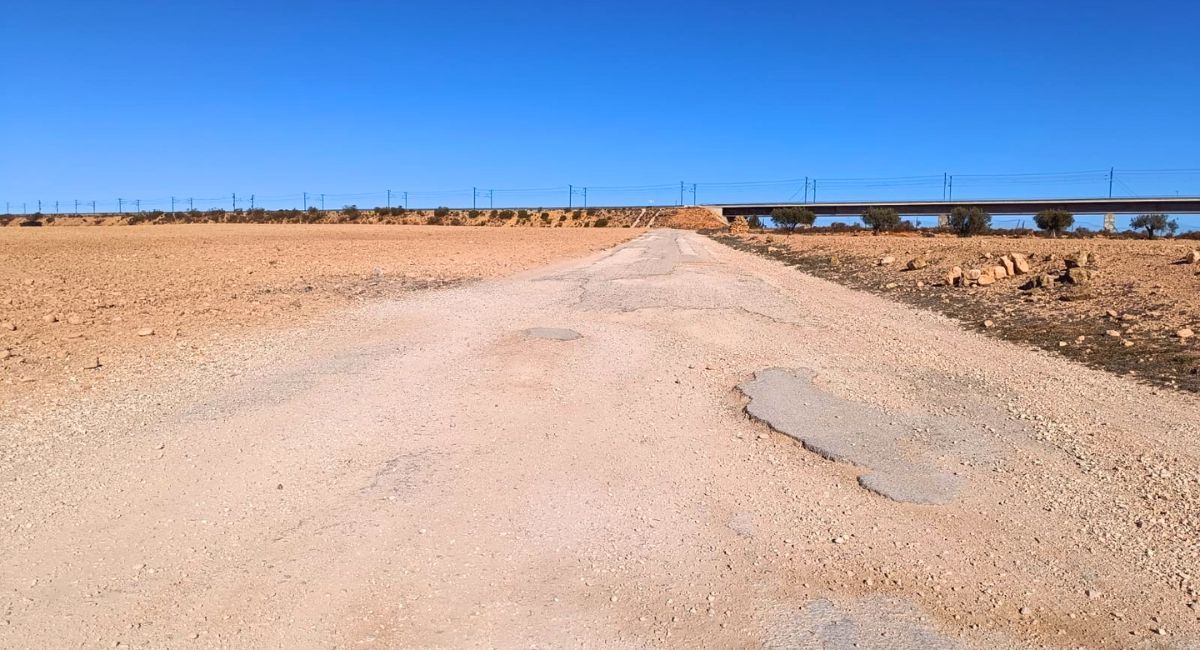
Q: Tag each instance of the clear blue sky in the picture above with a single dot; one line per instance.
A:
(153, 99)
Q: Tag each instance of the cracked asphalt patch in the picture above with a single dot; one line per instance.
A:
(553, 333)
(873, 622)
(842, 431)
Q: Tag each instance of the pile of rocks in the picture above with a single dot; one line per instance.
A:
(739, 226)
(1005, 266)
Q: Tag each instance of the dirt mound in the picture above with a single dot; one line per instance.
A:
(694, 218)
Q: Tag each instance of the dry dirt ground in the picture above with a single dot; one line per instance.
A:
(1126, 320)
(73, 301)
(456, 468)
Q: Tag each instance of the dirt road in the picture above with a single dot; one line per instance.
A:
(455, 468)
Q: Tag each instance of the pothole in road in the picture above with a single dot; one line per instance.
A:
(843, 431)
(553, 333)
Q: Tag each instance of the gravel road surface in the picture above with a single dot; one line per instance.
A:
(456, 468)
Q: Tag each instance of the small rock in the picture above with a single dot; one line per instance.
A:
(1009, 267)
(146, 331)
(999, 272)
(885, 260)
(917, 263)
(49, 318)
(1078, 275)
(1113, 333)
(1111, 313)
(890, 285)
(954, 276)
(1192, 258)
(92, 365)
(1020, 263)
(988, 324)
(8, 326)
(1185, 333)
(1077, 260)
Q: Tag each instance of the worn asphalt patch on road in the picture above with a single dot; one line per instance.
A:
(873, 622)
(553, 333)
(842, 431)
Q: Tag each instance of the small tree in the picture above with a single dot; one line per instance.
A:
(1153, 223)
(351, 211)
(791, 218)
(967, 221)
(754, 222)
(881, 219)
(1054, 221)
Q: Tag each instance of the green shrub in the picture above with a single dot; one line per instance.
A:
(602, 222)
(506, 214)
(1153, 223)
(1054, 221)
(441, 212)
(792, 217)
(881, 219)
(969, 220)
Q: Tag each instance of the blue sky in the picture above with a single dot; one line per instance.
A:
(153, 99)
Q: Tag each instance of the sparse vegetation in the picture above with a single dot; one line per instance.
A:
(1154, 223)
(967, 221)
(351, 212)
(1054, 221)
(754, 222)
(881, 219)
(602, 222)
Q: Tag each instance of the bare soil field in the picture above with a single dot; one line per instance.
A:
(1128, 317)
(77, 302)
(615, 217)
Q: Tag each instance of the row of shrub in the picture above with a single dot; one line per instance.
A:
(964, 221)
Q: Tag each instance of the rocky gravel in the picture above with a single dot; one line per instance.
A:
(1128, 306)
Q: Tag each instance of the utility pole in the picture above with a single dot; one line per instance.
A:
(805, 189)
(120, 205)
(814, 190)
(944, 186)
(322, 203)
(1110, 180)
(570, 196)
(305, 201)
(251, 202)
(389, 201)
(93, 206)
(694, 194)
(191, 205)
(56, 205)
(491, 196)
(681, 194)
(406, 200)
(474, 195)
(585, 197)
(172, 206)
(39, 206)
(950, 188)
(235, 201)
(77, 207)
(138, 204)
